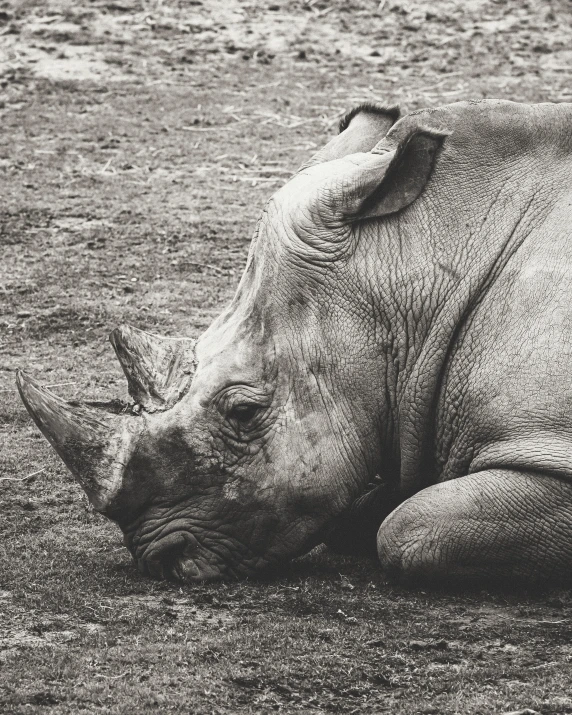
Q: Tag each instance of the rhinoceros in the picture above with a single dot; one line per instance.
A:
(394, 370)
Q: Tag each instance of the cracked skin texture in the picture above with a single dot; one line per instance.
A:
(482, 276)
(501, 447)
(396, 360)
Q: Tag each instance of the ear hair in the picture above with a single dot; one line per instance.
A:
(392, 111)
(372, 121)
(398, 140)
(401, 180)
(407, 173)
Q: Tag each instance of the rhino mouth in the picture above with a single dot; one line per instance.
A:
(183, 556)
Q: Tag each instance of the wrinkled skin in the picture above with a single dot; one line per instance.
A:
(258, 475)
(401, 342)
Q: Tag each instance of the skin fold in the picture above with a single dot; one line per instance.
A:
(394, 367)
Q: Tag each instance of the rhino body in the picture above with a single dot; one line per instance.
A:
(394, 370)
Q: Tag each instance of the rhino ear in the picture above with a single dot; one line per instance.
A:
(387, 179)
(360, 130)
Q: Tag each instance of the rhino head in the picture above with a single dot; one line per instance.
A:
(242, 448)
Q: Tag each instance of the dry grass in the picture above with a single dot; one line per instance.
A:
(133, 165)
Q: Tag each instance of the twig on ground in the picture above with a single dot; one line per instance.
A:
(270, 84)
(442, 81)
(203, 265)
(261, 179)
(111, 677)
(22, 479)
(219, 128)
(544, 665)
(300, 122)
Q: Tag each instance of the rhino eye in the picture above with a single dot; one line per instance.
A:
(243, 413)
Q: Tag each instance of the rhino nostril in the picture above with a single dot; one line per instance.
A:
(161, 558)
(154, 569)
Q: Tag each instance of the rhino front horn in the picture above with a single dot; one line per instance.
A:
(158, 370)
(94, 444)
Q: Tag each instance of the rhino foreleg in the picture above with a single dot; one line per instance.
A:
(495, 525)
(354, 531)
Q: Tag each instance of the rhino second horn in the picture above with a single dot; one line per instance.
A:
(95, 445)
(158, 370)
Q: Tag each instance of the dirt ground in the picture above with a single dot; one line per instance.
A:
(139, 141)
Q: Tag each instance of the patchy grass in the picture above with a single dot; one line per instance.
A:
(140, 140)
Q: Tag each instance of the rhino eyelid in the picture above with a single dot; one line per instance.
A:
(240, 407)
(244, 411)
(232, 400)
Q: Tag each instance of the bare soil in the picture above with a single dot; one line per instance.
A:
(139, 141)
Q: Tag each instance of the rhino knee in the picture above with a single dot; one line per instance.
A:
(408, 545)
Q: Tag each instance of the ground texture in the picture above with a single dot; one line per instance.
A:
(139, 141)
